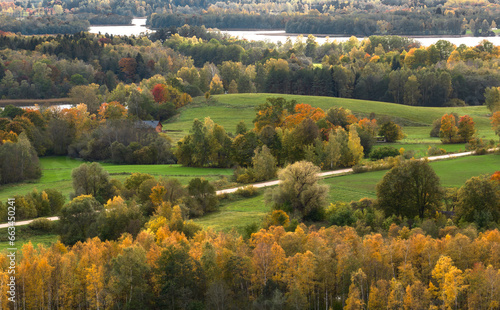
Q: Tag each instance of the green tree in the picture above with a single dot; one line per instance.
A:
(411, 91)
(299, 192)
(129, 278)
(264, 164)
(479, 201)
(202, 198)
(92, 179)
(409, 189)
(492, 98)
(78, 219)
(118, 218)
(18, 161)
(391, 132)
(182, 280)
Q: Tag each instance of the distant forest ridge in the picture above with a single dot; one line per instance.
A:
(351, 17)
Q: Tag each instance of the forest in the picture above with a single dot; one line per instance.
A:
(129, 240)
(352, 17)
(381, 68)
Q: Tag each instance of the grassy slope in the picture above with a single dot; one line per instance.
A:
(56, 173)
(453, 173)
(228, 110)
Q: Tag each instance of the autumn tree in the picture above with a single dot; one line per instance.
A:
(301, 112)
(112, 111)
(450, 282)
(216, 86)
(466, 128)
(495, 122)
(273, 112)
(88, 95)
(299, 192)
(448, 131)
(409, 189)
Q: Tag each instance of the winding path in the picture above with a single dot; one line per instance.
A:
(276, 182)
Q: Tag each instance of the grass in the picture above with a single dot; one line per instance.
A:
(236, 214)
(230, 109)
(24, 235)
(56, 173)
(421, 148)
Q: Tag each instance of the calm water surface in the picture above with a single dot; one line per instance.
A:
(138, 27)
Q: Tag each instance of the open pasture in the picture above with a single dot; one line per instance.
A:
(56, 173)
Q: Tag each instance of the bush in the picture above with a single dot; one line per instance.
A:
(340, 214)
(247, 191)
(381, 164)
(435, 151)
(42, 224)
(476, 144)
(383, 152)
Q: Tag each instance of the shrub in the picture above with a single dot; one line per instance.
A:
(340, 214)
(247, 191)
(384, 152)
(435, 151)
(42, 224)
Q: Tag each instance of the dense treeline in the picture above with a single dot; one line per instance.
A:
(47, 67)
(305, 268)
(244, 21)
(362, 24)
(42, 25)
(383, 68)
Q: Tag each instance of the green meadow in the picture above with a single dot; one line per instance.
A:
(228, 110)
(453, 173)
(56, 173)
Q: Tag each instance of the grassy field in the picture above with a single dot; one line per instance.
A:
(229, 109)
(24, 234)
(421, 148)
(56, 173)
(236, 214)
(453, 173)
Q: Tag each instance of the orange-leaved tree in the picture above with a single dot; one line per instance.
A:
(449, 131)
(495, 122)
(112, 110)
(303, 111)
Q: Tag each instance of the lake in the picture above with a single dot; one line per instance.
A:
(138, 27)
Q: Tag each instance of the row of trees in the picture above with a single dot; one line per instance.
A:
(290, 132)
